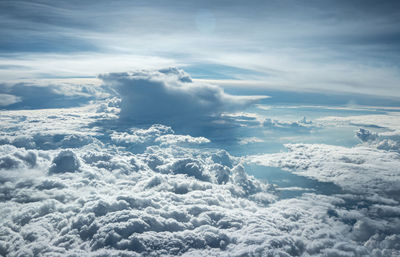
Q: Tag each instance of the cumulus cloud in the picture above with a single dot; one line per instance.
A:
(384, 141)
(65, 161)
(169, 96)
(50, 129)
(156, 134)
(94, 195)
(12, 158)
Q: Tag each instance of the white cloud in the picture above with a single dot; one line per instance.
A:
(250, 140)
(359, 169)
(301, 125)
(156, 134)
(28, 95)
(390, 120)
(169, 199)
(7, 99)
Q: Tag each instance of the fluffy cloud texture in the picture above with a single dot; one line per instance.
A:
(86, 182)
(386, 141)
(169, 96)
(99, 197)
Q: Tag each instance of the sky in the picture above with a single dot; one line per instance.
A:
(200, 128)
(329, 46)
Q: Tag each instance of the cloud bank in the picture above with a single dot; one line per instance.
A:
(99, 198)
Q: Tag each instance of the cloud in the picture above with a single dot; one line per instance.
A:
(389, 120)
(381, 131)
(97, 37)
(7, 99)
(359, 169)
(45, 95)
(65, 161)
(298, 126)
(250, 140)
(156, 134)
(385, 141)
(170, 199)
(13, 158)
(169, 96)
(242, 119)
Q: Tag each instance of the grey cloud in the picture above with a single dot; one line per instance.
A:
(65, 161)
(170, 97)
(384, 141)
(12, 158)
(31, 96)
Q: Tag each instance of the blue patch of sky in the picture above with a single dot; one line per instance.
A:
(284, 97)
(290, 185)
(219, 71)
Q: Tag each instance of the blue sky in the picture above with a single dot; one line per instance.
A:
(319, 46)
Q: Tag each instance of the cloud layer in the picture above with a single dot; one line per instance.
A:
(151, 192)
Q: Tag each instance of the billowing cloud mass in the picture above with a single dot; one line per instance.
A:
(169, 96)
(98, 181)
(150, 192)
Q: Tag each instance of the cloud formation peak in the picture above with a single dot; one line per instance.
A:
(170, 96)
